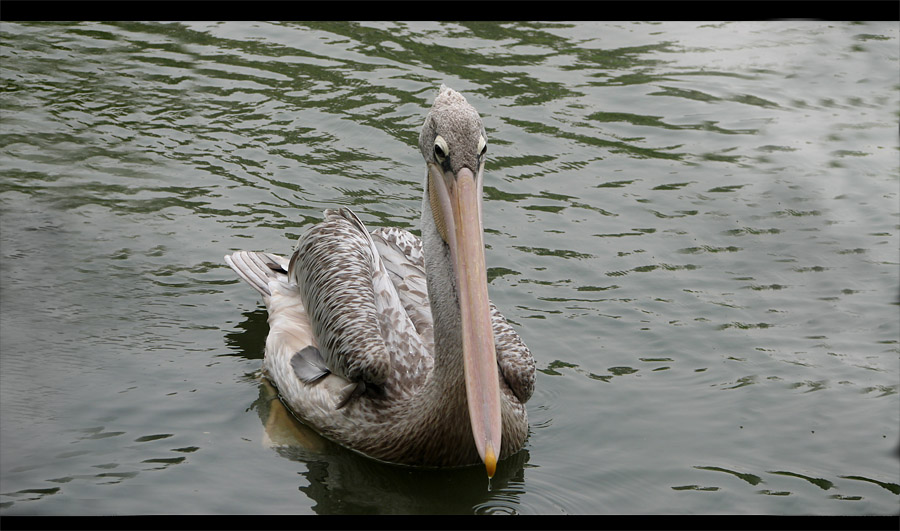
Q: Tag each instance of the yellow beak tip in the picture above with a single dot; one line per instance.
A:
(490, 461)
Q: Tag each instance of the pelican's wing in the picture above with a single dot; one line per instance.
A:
(402, 255)
(363, 331)
(515, 360)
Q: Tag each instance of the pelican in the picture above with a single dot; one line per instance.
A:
(388, 344)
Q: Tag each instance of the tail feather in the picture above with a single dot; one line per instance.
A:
(258, 269)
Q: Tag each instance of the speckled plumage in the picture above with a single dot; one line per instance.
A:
(364, 345)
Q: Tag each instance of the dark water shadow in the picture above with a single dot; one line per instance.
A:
(248, 340)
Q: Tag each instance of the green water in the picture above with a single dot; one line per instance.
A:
(694, 226)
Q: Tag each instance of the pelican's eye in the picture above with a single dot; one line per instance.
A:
(482, 146)
(441, 149)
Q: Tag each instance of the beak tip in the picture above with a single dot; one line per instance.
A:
(490, 460)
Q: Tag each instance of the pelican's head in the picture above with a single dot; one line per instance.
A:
(454, 145)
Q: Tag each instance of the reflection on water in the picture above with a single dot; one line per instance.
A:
(344, 482)
(694, 226)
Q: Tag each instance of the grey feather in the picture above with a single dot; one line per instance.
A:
(309, 366)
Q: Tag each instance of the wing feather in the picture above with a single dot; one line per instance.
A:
(515, 360)
(333, 267)
(363, 329)
(402, 255)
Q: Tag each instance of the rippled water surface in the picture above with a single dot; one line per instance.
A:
(694, 227)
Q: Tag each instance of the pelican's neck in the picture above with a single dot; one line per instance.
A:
(448, 378)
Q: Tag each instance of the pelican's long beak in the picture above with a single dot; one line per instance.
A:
(458, 198)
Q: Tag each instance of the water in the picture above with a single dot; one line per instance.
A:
(694, 226)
